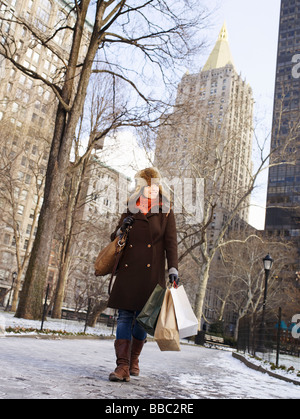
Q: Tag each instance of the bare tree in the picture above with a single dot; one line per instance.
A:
(241, 280)
(158, 31)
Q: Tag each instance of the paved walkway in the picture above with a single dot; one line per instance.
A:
(74, 368)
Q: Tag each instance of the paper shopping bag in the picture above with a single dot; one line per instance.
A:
(149, 314)
(166, 332)
(187, 322)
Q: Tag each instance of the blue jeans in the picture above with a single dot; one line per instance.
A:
(127, 326)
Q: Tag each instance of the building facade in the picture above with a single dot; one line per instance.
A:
(283, 197)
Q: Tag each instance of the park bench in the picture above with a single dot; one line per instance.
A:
(213, 340)
(210, 340)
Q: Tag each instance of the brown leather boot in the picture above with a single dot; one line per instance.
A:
(136, 349)
(121, 373)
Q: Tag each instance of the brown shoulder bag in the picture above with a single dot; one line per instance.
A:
(108, 258)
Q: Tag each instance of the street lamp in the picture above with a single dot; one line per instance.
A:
(14, 277)
(268, 263)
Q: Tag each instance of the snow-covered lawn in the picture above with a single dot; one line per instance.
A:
(289, 366)
(7, 320)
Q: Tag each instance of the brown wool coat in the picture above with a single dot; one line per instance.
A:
(152, 240)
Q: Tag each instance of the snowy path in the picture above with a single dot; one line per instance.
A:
(37, 368)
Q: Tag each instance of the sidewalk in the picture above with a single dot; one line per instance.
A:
(79, 369)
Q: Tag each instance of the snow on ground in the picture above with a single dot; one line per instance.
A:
(222, 374)
(8, 320)
(79, 368)
(284, 360)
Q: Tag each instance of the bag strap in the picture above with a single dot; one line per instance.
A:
(120, 247)
(114, 271)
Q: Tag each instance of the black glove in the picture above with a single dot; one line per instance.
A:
(173, 278)
(127, 222)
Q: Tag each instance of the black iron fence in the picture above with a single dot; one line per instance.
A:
(274, 340)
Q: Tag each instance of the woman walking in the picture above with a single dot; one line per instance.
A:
(152, 239)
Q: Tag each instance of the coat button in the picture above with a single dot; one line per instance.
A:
(126, 266)
(130, 246)
(149, 245)
(148, 266)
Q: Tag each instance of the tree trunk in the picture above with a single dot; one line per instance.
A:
(60, 287)
(200, 296)
(236, 332)
(221, 314)
(16, 291)
(30, 305)
(66, 255)
(97, 310)
(65, 259)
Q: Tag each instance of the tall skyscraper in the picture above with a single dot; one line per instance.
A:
(209, 134)
(283, 198)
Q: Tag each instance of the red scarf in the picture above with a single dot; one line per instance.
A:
(146, 204)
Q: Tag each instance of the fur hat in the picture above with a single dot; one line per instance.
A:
(147, 176)
(144, 178)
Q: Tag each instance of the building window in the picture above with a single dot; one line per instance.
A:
(26, 97)
(15, 107)
(21, 176)
(24, 195)
(7, 239)
(43, 15)
(20, 209)
(34, 117)
(34, 150)
(36, 57)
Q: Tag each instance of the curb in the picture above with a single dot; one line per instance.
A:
(264, 371)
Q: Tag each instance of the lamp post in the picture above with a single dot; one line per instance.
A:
(14, 277)
(268, 262)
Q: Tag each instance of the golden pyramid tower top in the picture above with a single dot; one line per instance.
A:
(221, 54)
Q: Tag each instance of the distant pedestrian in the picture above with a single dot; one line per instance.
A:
(152, 239)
